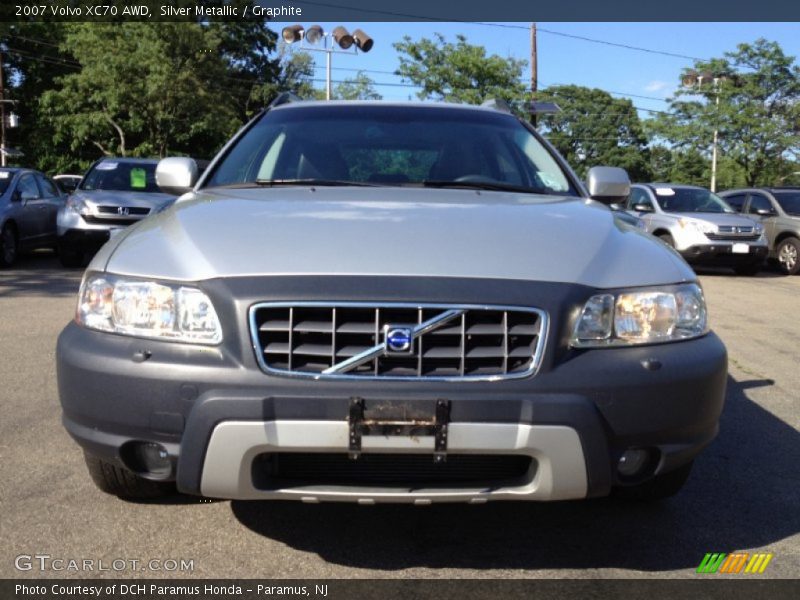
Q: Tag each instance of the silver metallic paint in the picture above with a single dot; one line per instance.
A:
(304, 230)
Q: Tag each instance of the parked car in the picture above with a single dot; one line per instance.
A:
(778, 209)
(67, 183)
(700, 226)
(29, 203)
(115, 193)
(386, 302)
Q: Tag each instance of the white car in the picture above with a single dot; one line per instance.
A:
(700, 225)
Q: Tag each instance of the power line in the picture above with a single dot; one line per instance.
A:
(511, 26)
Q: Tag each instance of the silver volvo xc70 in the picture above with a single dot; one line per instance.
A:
(389, 303)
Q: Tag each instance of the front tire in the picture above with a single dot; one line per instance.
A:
(70, 256)
(788, 253)
(9, 246)
(121, 482)
(667, 239)
(659, 487)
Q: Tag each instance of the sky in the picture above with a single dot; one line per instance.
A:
(564, 60)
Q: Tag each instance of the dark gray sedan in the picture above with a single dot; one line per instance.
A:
(29, 204)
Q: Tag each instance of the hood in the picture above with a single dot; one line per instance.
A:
(118, 198)
(392, 231)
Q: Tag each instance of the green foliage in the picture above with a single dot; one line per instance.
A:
(138, 89)
(757, 113)
(360, 87)
(594, 129)
(459, 72)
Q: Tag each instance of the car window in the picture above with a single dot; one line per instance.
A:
(690, 200)
(736, 201)
(789, 201)
(5, 180)
(391, 145)
(759, 202)
(639, 196)
(27, 187)
(49, 189)
(121, 176)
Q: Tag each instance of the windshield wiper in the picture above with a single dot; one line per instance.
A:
(482, 185)
(312, 182)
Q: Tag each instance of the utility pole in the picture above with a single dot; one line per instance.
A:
(2, 115)
(534, 71)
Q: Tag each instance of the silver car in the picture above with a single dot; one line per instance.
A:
(384, 302)
(778, 210)
(29, 203)
(114, 193)
(701, 226)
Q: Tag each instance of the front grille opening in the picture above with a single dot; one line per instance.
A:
(298, 469)
(479, 343)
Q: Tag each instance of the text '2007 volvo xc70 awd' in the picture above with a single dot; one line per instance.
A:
(389, 303)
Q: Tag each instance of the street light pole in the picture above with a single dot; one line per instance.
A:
(358, 41)
(329, 59)
(716, 138)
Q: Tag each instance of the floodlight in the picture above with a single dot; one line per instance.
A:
(314, 34)
(342, 37)
(292, 34)
(362, 40)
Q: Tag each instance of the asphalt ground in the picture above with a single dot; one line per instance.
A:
(744, 493)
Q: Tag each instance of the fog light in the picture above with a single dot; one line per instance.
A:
(148, 458)
(633, 462)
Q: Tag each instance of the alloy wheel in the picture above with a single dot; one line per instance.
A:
(787, 256)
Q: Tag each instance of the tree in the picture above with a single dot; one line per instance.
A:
(31, 63)
(360, 87)
(594, 128)
(757, 116)
(459, 72)
(143, 90)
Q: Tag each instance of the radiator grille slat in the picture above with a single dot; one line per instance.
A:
(471, 342)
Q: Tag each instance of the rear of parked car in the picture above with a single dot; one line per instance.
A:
(778, 211)
(700, 225)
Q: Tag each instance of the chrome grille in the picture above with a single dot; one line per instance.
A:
(134, 211)
(734, 233)
(349, 340)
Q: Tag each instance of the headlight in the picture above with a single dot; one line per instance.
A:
(643, 316)
(696, 225)
(758, 228)
(147, 309)
(77, 205)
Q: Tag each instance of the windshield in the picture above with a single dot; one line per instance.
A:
(789, 201)
(392, 145)
(5, 180)
(690, 200)
(121, 176)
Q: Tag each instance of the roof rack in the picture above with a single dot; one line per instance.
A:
(285, 98)
(497, 104)
(534, 108)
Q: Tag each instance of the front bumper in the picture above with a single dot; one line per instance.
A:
(77, 232)
(214, 411)
(721, 253)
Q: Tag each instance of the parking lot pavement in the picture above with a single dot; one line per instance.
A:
(743, 495)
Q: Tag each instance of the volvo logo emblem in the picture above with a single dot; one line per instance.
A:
(398, 338)
(123, 210)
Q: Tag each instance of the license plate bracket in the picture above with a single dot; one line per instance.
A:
(383, 422)
(740, 248)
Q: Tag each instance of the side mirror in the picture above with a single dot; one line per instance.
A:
(608, 184)
(16, 196)
(176, 175)
(642, 208)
